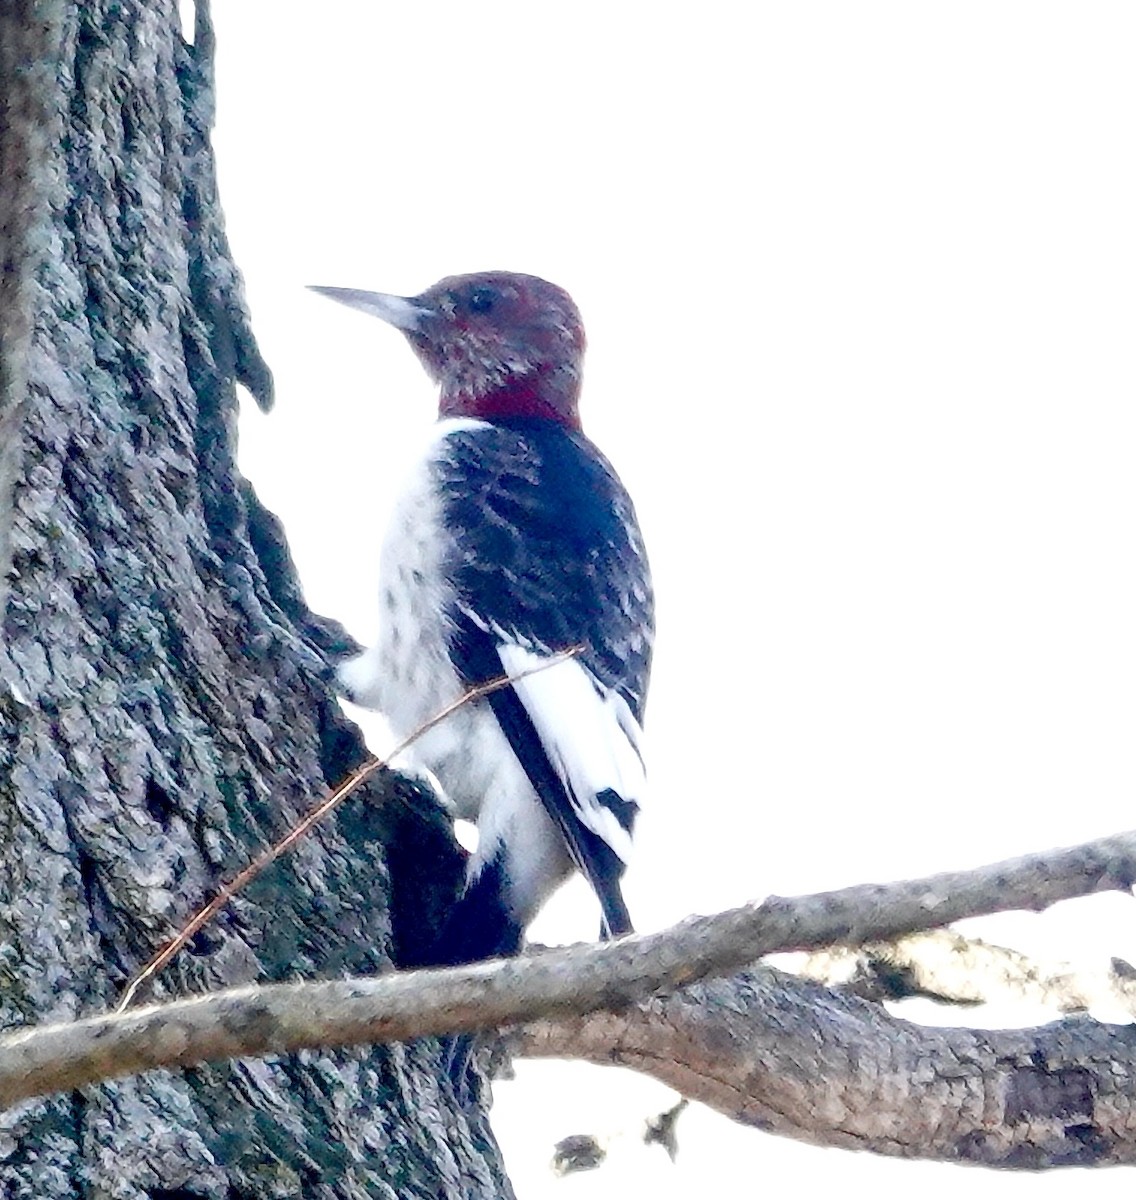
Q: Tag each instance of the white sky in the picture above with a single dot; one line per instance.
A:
(859, 287)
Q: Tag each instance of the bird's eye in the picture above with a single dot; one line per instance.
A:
(482, 299)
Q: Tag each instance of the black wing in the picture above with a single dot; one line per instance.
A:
(548, 556)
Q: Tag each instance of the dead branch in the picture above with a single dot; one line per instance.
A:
(789, 1056)
(948, 968)
(566, 985)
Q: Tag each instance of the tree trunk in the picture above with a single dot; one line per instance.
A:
(162, 709)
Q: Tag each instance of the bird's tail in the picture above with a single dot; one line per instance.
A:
(615, 920)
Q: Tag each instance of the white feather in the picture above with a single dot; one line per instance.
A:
(588, 733)
(407, 675)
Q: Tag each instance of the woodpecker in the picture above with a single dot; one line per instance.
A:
(513, 551)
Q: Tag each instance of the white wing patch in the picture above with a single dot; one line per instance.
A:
(588, 733)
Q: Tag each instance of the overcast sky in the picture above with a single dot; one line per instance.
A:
(858, 285)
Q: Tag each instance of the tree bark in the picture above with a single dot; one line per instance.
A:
(162, 711)
(789, 1056)
(163, 717)
(764, 1048)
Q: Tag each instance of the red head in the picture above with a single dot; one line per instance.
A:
(499, 344)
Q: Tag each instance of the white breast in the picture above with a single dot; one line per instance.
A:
(407, 674)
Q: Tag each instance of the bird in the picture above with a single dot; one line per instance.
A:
(513, 551)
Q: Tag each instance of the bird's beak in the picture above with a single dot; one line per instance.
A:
(395, 310)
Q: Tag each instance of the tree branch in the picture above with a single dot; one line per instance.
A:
(948, 968)
(564, 984)
(791, 1057)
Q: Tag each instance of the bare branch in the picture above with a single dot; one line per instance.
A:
(946, 967)
(560, 984)
(791, 1057)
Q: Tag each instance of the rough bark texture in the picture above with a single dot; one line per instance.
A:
(162, 714)
(764, 1048)
(30, 31)
(163, 717)
(792, 1057)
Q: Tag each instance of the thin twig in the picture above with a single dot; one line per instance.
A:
(331, 801)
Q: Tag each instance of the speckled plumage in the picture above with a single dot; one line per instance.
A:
(514, 541)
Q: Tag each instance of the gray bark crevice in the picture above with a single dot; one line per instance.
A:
(164, 714)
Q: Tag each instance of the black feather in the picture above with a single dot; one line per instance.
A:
(547, 553)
